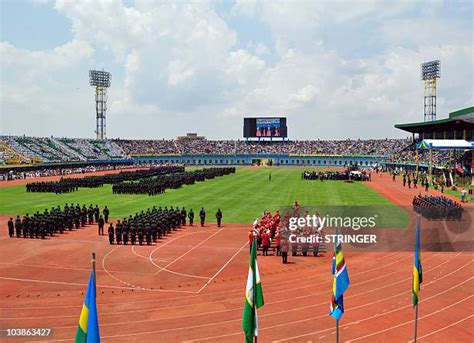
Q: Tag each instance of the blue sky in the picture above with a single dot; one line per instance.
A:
(336, 69)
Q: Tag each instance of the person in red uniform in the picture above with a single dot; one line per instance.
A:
(296, 209)
(251, 236)
(277, 243)
(284, 248)
(266, 242)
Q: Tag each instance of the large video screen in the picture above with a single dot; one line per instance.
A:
(265, 127)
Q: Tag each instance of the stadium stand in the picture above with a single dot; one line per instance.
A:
(30, 150)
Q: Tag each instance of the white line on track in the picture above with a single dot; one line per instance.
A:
(131, 285)
(181, 256)
(145, 257)
(444, 327)
(411, 321)
(223, 267)
(325, 315)
(238, 290)
(293, 289)
(269, 327)
(269, 303)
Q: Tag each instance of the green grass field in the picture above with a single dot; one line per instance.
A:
(242, 197)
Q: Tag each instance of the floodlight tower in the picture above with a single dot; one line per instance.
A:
(430, 71)
(100, 79)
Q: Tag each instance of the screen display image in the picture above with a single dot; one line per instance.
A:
(268, 127)
(265, 127)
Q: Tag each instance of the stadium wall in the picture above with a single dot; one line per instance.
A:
(248, 160)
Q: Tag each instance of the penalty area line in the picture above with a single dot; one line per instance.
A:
(222, 268)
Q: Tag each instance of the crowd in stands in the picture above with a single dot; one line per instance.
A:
(6, 174)
(147, 146)
(24, 149)
(408, 155)
(437, 207)
(380, 147)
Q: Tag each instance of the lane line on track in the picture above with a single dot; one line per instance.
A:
(266, 328)
(326, 315)
(275, 302)
(411, 321)
(183, 306)
(181, 256)
(444, 327)
(222, 268)
(236, 290)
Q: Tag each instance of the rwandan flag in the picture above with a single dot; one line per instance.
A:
(88, 329)
(341, 281)
(417, 273)
(253, 297)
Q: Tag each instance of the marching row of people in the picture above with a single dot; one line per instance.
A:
(55, 221)
(150, 225)
(437, 207)
(157, 185)
(66, 185)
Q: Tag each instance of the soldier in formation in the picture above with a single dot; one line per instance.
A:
(147, 226)
(50, 222)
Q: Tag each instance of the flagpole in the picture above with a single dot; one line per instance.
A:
(337, 331)
(254, 247)
(93, 267)
(416, 322)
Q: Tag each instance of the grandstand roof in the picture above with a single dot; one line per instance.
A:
(445, 144)
(461, 119)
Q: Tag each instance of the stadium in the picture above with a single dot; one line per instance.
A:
(263, 235)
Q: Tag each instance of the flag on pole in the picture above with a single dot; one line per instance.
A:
(253, 296)
(88, 329)
(417, 270)
(341, 281)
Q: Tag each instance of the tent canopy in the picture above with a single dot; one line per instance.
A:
(446, 144)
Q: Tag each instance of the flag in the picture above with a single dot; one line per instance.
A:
(459, 168)
(253, 297)
(417, 272)
(341, 281)
(88, 329)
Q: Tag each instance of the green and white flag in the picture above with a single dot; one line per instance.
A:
(253, 297)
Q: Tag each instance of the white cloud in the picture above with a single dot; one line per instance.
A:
(334, 68)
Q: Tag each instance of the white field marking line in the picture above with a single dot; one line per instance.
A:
(56, 283)
(54, 241)
(275, 302)
(444, 327)
(237, 308)
(234, 290)
(356, 322)
(178, 258)
(111, 275)
(412, 320)
(218, 323)
(183, 306)
(157, 248)
(131, 285)
(145, 257)
(68, 268)
(325, 315)
(222, 268)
